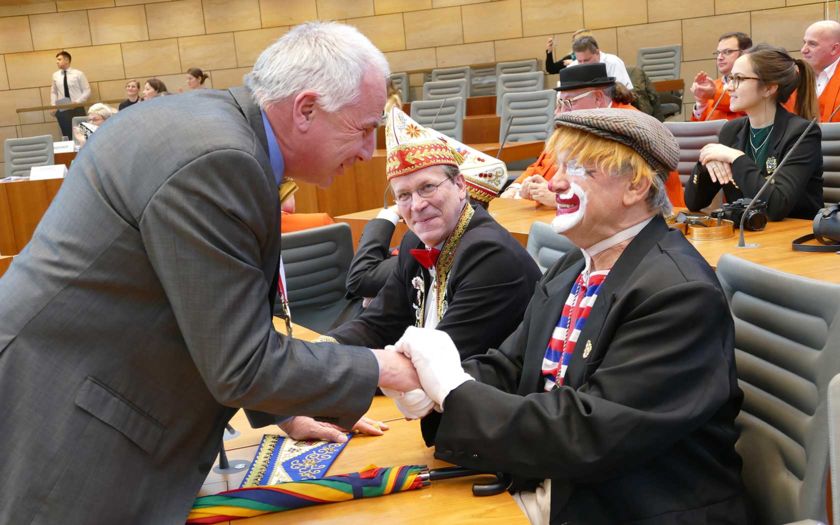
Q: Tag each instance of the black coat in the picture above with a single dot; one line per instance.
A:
(643, 431)
(490, 283)
(797, 189)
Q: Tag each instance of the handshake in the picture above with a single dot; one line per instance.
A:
(422, 357)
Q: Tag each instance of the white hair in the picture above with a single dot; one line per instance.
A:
(102, 110)
(326, 57)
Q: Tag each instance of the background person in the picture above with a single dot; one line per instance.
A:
(97, 115)
(195, 78)
(154, 88)
(711, 97)
(132, 94)
(69, 86)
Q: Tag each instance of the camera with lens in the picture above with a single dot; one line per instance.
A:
(756, 218)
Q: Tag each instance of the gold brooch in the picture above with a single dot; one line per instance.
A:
(771, 165)
(587, 349)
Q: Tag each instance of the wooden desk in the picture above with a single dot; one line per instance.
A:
(22, 204)
(774, 250)
(481, 105)
(481, 129)
(5, 262)
(449, 501)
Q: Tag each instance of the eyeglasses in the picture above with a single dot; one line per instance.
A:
(724, 52)
(425, 191)
(574, 168)
(569, 103)
(735, 80)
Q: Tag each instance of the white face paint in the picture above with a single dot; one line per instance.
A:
(570, 208)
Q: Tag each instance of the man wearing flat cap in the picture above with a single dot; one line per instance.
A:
(613, 401)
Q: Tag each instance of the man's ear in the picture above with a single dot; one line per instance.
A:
(303, 109)
(636, 191)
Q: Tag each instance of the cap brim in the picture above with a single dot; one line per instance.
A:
(598, 82)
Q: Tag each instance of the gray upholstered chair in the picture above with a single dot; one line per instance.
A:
(453, 73)
(834, 443)
(483, 81)
(660, 63)
(692, 136)
(22, 154)
(787, 350)
(527, 116)
(436, 90)
(316, 263)
(518, 66)
(445, 115)
(400, 81)
(831, 161)
(517, 83)
(547, 246)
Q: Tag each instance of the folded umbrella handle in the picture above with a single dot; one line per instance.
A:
(497, 486)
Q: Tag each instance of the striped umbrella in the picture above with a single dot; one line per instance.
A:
(255, 501)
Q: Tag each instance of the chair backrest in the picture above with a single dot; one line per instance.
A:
(400, 81)
(452, 73)
(692, 136)
(316, 263)
(831, 161)
(445, 115)
(483, 81)
(436, 90)
(546, 246)
(78, 120)
(519, 66)
(527, 116)
(660, 63)
(22, 154)
(517, 83)
(787, 350)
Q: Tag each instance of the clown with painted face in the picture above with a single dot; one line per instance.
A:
(613, 401)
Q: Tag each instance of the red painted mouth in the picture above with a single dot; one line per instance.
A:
(569, 205)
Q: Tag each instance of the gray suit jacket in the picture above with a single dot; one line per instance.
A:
(138, 319)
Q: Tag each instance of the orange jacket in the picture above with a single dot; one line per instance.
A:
(722, 111)
(293, 222)
(829, 100)
(546, 166)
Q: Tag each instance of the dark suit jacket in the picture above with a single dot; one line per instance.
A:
(373, 263)
(489, 285)
(643, 430)
(797, 188)
(138, 319)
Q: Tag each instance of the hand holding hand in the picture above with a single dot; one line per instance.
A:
(529, 184)
(436, 359)
(396, 371)
(719, 152)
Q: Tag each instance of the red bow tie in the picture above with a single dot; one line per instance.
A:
(427, 258)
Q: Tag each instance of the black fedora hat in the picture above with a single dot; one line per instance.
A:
(584, 76)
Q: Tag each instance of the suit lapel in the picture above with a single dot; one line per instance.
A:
(547, 305)
(613, 286)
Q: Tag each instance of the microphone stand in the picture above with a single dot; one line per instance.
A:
(225, 466)
(769, 181)
(505, 137)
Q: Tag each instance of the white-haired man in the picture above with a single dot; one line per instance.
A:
(138, 319)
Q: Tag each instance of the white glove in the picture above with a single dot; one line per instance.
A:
(436, 360)
(413, 404)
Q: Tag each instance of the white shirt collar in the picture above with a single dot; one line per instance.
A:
(611, 241)
(829, 71)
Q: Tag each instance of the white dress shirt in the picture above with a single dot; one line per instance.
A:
(615, 68)
(76, 82)
(824, 76)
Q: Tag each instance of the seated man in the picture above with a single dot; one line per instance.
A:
(629, 415)
(585, 86)
(587, 52)
(711, 99)
(821, 49)
(457, 268)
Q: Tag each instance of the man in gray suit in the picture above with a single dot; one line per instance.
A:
(138, 319)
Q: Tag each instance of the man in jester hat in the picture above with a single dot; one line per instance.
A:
(455, 268)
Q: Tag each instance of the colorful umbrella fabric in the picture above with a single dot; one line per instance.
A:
(256, 501)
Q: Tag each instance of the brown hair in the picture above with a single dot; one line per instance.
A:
(64, 54)
(197, 73)
(585, 43)
(157, 85)
(619, 93)
(132, 81)
(744, 40)
(773, 65)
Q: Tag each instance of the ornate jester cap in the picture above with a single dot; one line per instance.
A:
(412, 147)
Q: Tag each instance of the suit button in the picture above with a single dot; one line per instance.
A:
(475, 456)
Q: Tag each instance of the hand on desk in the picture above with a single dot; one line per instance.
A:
(302, 427)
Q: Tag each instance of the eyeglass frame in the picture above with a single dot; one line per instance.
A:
(725, 52)
(735, 82)
(569, 103)
(410, 194)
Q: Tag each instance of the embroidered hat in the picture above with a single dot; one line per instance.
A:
(412, 147)
(584, 76)
(644, 134)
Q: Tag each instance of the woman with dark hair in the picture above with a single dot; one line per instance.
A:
(154, 88)
(195, 78)
(752, 147)
(132, 94)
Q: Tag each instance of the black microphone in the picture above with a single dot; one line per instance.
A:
(769, 181)
(505, 137)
